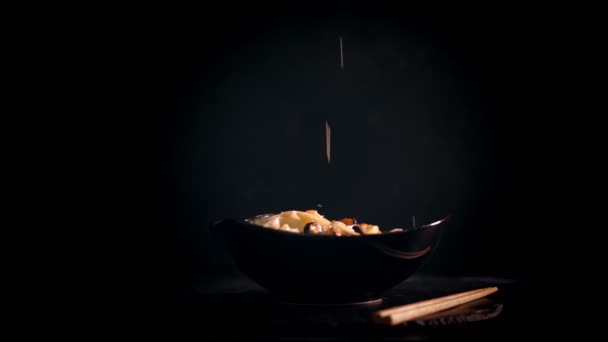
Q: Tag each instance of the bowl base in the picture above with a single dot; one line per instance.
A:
(370, 302)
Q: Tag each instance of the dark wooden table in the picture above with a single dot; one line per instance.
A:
(237, 309)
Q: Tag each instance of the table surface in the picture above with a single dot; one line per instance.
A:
(237, 309)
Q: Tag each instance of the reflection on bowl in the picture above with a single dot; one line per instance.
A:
(327, 269)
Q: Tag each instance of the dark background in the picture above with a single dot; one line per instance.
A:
(432, 115)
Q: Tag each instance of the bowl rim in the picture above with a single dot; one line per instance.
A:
(434, 224)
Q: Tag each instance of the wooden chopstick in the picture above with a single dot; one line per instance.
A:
(404, 313)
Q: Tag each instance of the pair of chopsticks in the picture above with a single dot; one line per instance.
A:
(404, 313)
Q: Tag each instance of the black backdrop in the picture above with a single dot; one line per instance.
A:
(432, 115)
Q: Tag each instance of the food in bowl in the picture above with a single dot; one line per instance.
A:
(311, 222)
(292, 264)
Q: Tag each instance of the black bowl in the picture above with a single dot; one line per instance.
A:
(304, 268)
